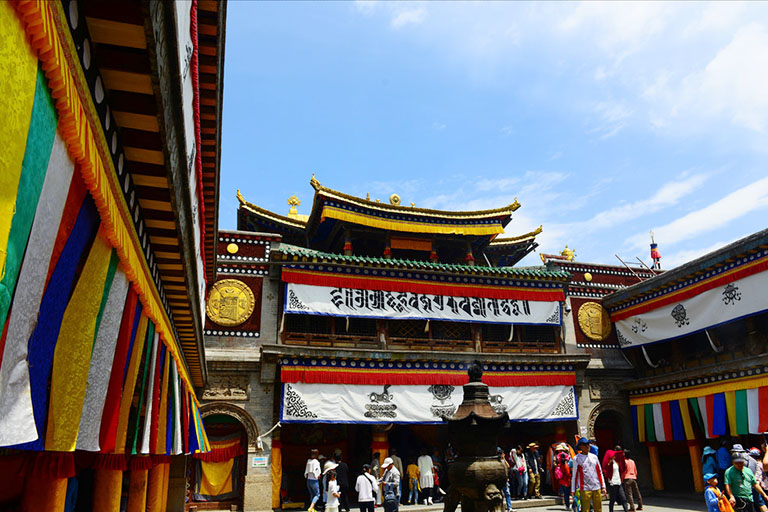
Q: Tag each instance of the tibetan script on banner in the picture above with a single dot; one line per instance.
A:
(349, 302)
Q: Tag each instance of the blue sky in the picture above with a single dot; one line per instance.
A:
(605, 120)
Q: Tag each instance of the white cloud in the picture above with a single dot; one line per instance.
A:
(408, 17)
(677, 258)
(743, 201)
(438, 126)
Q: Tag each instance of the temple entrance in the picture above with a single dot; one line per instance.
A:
(216, 480)
(609, 430)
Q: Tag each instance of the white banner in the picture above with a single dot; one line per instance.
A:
(326, 300)
(345, 403)
(708, 309)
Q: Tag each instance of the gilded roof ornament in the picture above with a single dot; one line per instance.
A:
(315, 184)
(394, 199)
(569, 254)
(293, 201)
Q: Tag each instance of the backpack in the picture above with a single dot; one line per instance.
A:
(558, 473)
(390, 502)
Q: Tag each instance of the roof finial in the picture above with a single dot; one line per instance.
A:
(655, 254)
(316, 184)
(569, 254)
(293, 201)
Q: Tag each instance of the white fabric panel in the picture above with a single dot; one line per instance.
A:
(348, 302)
(713, 307)
(658, 423)
(17, 421)
(177, 444)
(101, 364)
(346, 403)
(150, 397)
(703, 410)
(753, 406)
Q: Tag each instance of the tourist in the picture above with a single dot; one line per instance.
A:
(342, 478)
(764, 482)
(709, 460)
(535, 469)
(500, 455)
(629, 480)
(413, 480)
(333, 493)
(514, 476)
(391, 482)
(366, 489)
(613, 467)
(561, 473)
(756, 465)
(587, 475)
(330, 465)
(522, 470)
(739, 483)
(426, 477)
(397, 461)
(715, 500)
(312, 473)
(723, 462)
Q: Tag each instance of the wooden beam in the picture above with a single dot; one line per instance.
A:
(116, 33)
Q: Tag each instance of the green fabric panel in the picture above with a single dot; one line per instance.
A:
(144, 376)
(42, 131)
(693, 405)
(742, 413)
(650, 432)
(113, 261)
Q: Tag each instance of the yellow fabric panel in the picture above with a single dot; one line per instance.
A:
(730, 406)
(697, 391)
(686, 414)
(130, 385)
(162, 424)
(277, 474)
(107, 488)
(446, 228)
(155, 488)
(72, 356)
(47, 494)
(18, 69)
(217, 478)
(137, 491)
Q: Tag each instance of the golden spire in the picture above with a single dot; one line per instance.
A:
(568, 253)
(293, 201)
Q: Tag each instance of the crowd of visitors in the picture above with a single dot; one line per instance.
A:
(736, 478)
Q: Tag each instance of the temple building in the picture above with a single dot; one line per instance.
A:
(697, 338)
(109, 177)
(352, 327)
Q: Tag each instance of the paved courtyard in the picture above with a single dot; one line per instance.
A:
(652, 504)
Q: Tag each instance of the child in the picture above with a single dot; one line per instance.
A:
(333, 495)
(715, 500)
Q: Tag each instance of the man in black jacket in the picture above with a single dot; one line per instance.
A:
(342, 478)
(535, 469)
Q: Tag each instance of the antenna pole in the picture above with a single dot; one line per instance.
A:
(629, 268)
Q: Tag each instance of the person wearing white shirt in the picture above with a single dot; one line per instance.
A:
(426, 477)
(587, 477)
(312, 473)
(333, 493)
(365, 486)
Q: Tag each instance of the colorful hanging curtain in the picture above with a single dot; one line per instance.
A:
(733, 413)
(217, 473)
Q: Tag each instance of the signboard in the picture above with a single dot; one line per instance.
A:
(349, 302)
(260, 462)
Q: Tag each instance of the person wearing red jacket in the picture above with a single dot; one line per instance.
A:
(613, 467)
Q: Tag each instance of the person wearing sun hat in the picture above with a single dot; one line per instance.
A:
(391, 482)
(715, 500)
(535, 469)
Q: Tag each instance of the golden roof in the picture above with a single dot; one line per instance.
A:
(293, 221)
(375, 205)
(517, 239)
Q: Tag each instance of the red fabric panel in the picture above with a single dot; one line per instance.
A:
(368, 282)
(111, 412)
(666, 417)
(75, 198)
(220, 454)
(693, 290)
(425, 377)
(140, 462)
(113, 461)
(51, 465)
(710, 419)
(2, 341)
(12, 477)
(762, 398)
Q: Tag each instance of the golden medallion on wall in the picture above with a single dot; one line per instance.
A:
(230, 302)
(594, 321)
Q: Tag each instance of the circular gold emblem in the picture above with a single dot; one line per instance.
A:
(233, 248)
(594, 321)
(230, 302)
(587, 276)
